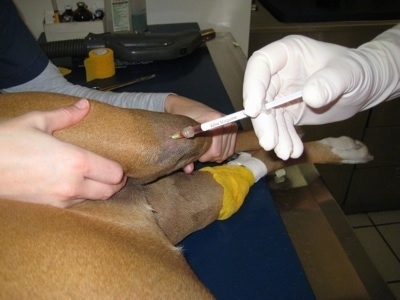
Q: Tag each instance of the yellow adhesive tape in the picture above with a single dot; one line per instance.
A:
(100, 64)
(64, 71)
(236, 182)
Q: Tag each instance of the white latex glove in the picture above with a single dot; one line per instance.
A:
(337, 82)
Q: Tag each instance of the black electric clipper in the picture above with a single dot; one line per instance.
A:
(133, 47)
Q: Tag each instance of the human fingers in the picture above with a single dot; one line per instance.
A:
(261, 66)
(63, 117)
(223, 144)
(284, 145)
(228, 142)
(298, 146)
(87, 189)
(289, 143)
(188, 168)
(342, 73)
(85, 176)
(266, 129)
(94, 178)
(326, 85)
(101, 169)
(97, 190)
(275, 131)
(98, 169)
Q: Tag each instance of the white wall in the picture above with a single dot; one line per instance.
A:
(222, 15)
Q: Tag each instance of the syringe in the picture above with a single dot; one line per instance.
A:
(191, 131)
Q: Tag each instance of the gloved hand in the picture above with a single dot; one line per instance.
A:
(337, 82)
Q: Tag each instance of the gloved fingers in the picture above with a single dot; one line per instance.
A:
(289, 143)
(266, 129)
(276, 131)
(327, 85)
(284, 146)
(274, 89)
(261, 66)
(297, 143)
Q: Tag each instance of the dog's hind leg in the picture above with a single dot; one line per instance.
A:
(184, 203)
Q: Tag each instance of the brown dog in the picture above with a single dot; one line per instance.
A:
(123, 248)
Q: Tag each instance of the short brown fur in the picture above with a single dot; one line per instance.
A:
(122, 248)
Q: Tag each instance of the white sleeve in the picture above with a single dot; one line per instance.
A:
(383, 56)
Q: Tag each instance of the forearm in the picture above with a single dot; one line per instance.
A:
(383, 62)
(51, 80)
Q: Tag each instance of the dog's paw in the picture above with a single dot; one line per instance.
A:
(350, 151)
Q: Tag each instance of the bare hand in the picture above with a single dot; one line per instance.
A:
(223, 139)
(37, 167)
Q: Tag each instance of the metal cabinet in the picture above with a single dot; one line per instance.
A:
(375, 186)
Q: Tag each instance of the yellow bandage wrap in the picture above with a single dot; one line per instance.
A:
(236, 181)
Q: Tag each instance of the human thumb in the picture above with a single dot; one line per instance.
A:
(326, 86)
(66, 116)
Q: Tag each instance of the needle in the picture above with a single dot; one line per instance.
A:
(191, 131)
(120, 85)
